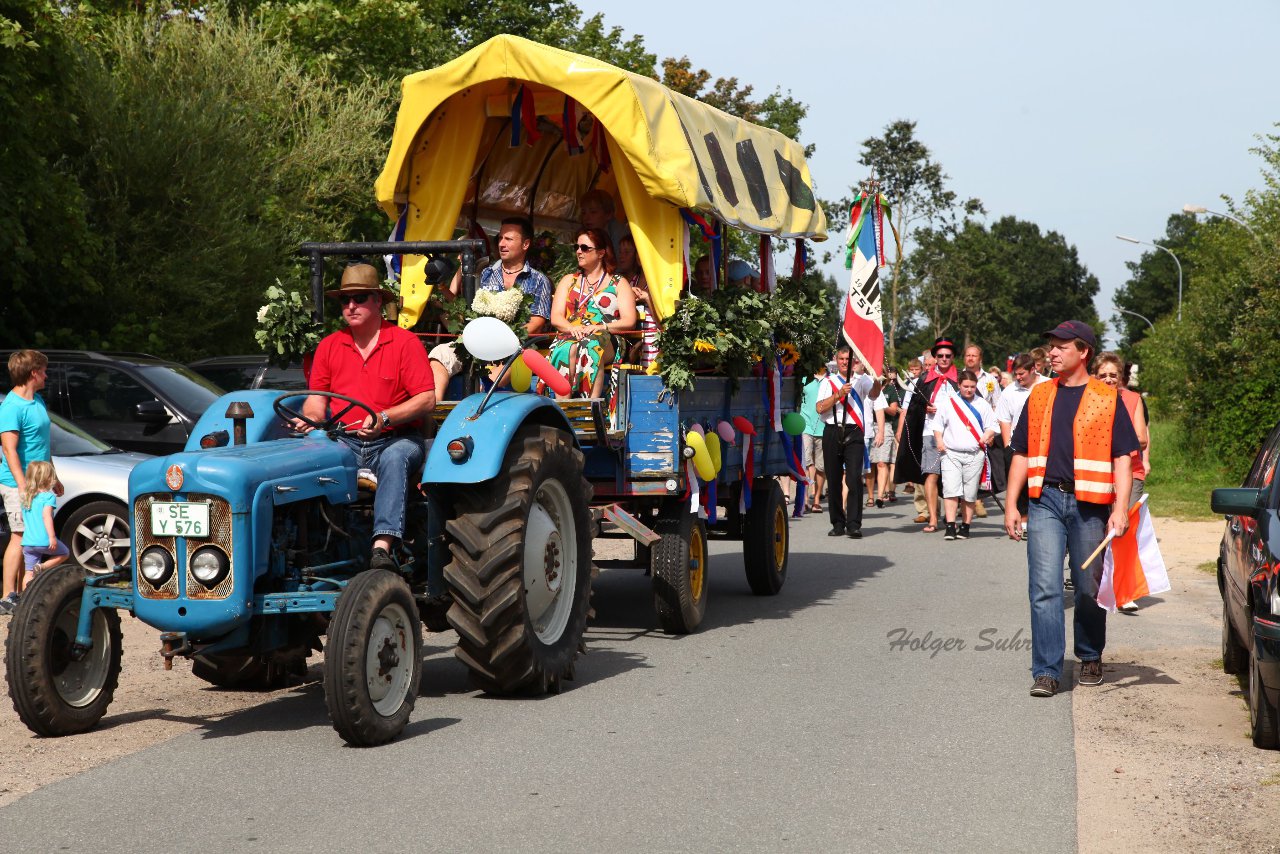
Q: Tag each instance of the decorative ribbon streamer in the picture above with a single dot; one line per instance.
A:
(572, 139)
(768, 273)
(395, 262)
(797, 472)
(600, 145)
(711, 235)
(748, 431)
(880, 228)
(800, 265)
(524, 118)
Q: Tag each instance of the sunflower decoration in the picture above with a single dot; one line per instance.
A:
(788, 353)
(702, 345)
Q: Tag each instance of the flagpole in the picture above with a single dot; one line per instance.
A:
(1111, 536)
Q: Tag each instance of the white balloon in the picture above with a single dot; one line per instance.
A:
(489, 339)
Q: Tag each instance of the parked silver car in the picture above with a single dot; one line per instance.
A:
(93, 513)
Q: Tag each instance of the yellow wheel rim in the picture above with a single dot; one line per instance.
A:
(697, 563)
(779, 537)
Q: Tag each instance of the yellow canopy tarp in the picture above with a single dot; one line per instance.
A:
(451, 156)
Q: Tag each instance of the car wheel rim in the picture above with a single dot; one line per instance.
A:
(101, 542)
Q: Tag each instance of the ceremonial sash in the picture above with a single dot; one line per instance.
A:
(848, 408)
(982, 446)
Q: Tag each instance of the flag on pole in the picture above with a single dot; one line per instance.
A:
(1133, 567)
(572, 137)
(862, 326)
(524, 119)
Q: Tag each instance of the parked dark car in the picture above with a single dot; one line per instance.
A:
(129, 400)
(1248, 564)
(234, 373)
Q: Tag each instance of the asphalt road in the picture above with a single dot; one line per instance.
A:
(788, 723)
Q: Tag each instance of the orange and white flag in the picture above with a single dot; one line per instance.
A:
(1132, 567)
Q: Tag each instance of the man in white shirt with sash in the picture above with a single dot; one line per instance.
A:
(846, 416)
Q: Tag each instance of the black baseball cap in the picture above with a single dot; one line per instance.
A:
(1068, 329)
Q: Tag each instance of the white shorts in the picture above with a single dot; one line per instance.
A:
(961, 471)
(447, 356)
(13, 507)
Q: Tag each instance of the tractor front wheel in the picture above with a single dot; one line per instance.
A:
(57, 688)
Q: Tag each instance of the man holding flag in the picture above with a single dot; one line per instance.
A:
(1071, 451)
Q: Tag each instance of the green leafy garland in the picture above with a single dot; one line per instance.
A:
(735, 328)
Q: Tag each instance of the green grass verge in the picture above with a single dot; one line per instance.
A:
(1183, 474)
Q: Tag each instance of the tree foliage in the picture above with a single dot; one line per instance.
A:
(998, 287)
(1152, 288)
(1216, 368)
(916, 187)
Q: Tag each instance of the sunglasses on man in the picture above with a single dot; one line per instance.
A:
(358, 299)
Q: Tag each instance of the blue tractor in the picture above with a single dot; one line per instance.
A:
(251, 552)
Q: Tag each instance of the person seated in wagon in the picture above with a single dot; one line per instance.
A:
(588, 307)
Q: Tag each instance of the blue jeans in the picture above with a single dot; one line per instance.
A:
(393, 459)
(1058, 526)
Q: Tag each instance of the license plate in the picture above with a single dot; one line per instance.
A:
(179, 519)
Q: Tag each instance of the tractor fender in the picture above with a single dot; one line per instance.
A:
(489, 435)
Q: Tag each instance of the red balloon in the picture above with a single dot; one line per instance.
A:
(542, 370)
(744, 425)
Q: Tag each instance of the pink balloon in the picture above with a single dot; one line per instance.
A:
(725, 431)
(698, 428)
(542, 369)
(743, 425)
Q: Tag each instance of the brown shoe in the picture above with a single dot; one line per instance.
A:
(1044, 686)
(921, 519)
(1091, 673)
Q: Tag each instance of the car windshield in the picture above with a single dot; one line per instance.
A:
(68, 440)
(182, 387)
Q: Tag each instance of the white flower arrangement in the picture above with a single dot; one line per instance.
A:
(504, 305)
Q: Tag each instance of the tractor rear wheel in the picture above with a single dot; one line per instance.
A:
(520, 569)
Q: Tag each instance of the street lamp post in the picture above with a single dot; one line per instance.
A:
(1171, 255)
(1135, 314)
(1201, 209)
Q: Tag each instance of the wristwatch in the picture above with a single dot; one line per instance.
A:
(385, 419)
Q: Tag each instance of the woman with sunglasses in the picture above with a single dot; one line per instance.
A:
(588, 306)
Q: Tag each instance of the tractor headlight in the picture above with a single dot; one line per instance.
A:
(156, 566)
(209, 565)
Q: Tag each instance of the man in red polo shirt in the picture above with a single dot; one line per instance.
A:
(378, 363)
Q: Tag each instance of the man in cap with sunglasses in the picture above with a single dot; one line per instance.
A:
(1071, 450)
(377, 363)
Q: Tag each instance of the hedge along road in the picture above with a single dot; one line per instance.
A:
(878, 703)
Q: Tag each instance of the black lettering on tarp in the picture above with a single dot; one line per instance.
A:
(723, 176)
(749, 163)
(798, 191)
(697, 161)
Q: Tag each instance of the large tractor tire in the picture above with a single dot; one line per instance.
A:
(373, 660)
(679, 565)
(54, 690)
(520, 569)
(765, 539)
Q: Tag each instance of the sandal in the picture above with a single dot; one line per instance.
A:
(816, 508)
(929, 529)
(871, 502)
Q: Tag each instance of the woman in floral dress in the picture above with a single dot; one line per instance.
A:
(588, 305)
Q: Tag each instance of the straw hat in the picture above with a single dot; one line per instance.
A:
(359, 279)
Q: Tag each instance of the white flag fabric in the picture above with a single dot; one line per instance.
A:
(1133, 566)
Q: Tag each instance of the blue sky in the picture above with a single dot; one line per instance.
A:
(1091, 119)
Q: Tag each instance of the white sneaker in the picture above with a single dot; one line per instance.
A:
(1129, 606)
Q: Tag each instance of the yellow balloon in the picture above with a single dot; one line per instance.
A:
(520, 375)
(701, 459)
(713, 448)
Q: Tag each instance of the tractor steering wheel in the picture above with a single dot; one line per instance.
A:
(328, 425)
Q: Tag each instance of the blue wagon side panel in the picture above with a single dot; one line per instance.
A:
(652, 429)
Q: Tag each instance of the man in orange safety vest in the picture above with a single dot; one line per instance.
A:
(1071, 451)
